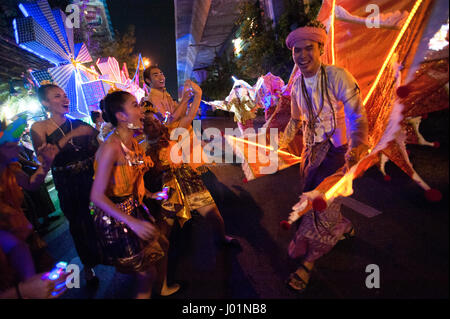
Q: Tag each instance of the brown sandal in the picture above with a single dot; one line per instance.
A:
(297, 283)
(349, 235)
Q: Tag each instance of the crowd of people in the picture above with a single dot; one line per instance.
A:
(122, 194)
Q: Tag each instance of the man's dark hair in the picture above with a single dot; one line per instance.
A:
(95, 115)
(148, 73)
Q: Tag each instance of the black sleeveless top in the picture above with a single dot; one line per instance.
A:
(86, 145)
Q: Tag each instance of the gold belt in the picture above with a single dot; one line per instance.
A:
(75, 166)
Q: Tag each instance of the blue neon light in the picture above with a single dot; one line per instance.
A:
(16, 33)
(24, 11)
(42, 14)
(39, 55)
(59, 20)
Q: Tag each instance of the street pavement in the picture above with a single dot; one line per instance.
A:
(407, 240)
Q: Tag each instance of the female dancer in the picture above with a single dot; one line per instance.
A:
(129, 238)
(72, 170)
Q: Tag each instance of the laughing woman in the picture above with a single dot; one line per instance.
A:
(129, 237)
(72, 170)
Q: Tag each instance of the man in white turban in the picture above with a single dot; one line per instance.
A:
(326, 105)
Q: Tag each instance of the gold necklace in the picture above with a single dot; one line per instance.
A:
(130, 155)
(59, 128)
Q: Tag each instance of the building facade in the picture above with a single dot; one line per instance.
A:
(95, 24)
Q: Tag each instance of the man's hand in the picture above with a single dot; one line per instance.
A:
(354, 155)
(298, 208)
(158, 195)
(187, 90)
(195, 88)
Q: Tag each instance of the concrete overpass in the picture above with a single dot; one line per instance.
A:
(203, 28)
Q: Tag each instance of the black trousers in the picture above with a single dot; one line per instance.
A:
(74, 190)
(325, 161)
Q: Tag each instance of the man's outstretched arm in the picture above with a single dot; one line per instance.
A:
(293, 125)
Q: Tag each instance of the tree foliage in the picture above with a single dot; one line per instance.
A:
(264, 44)
(219, 82)
(121, 47)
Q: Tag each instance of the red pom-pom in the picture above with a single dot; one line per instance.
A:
(424, 116)
(319, 204)
(245, 180)
(436, 144)
(403, 91)
(433, 195)
(387, 178)
(285, 225)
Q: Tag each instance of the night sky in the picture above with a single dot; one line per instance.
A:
(155, 32)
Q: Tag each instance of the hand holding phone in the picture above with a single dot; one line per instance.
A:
(57, 275)
(164, 194)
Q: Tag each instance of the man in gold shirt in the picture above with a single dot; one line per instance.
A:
(161, 99)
